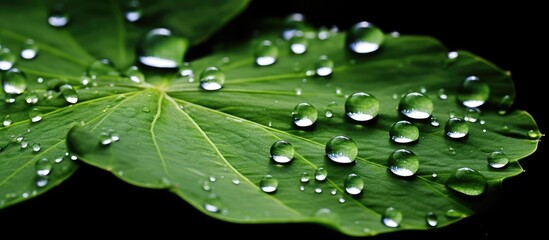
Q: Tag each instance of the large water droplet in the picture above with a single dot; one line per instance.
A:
(456, 128)
(282, 151)
(321, 174)
(15, 81)
(298, 43)
(473, 92)
(415, 105)
(266, 53)
(35, 115)
(161, 49)
(135, 75)
(304, 115)
(68, 92)
(58, 16)
(324, 66)
(403, 162)
(361, 106)
(101, 67)
(133, 11)
(30, 49)
(268, 184)
(497, 159)
(353, 184)
(391, 217)
(403, 132)
(431, 219)
(364, 37)
(467, 181)
(7, 59)
(43, 166)
(341, 149)
(212, 78)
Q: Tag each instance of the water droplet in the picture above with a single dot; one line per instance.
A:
(324, 66)
(471, 114)
(101, 67)
(35, 115)
(442, 94)
(361, 106)
(212, 179)
(58, 16)
(7, 59)
(235, 181)
(135, 75)
(391, 217)
(452, 213)
(108, 136)
(497, 160)
(434, 122)
(534, 134)
(467, 181)
(206, 186)
(298, 91)
(353, 184)
(265, 53)
(31, 97)
(30, 49)
(403, 162)
(302, 188)
(473, 92)
(15, 81)
(329, 113)
(133, 11)
(341, 200)
(160, 49)
(415, 105)
(42, 181)
(321, 174)
(36, 147)
(68, 92)
(268, 184)
(298, 43)
(456, 128)
(403, 132)
(304, 115)
(318, 190)
(282, 151)
(431, 219)
(453, 54)
(341, 149)
(212, 78)
(305, 177)
(364, 37)
(43, 167)
(505, 104)
(24, 144)
(212, 203)
(9, 98)
(7, 121)
(294, 24)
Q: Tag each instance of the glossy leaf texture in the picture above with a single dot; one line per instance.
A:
(210, 130)
(61, 56)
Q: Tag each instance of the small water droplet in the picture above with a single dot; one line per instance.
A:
(101, 67)
(212, 179)
(452, 213)
(35, 115)
(15, 81)
(434, 122)
(403, 162)
(7, 59)
(324, 66)
(268, 184)
(353, 184)
(298, 91)
(304, 177)
(282, 151)
(206, 186)
(341, 200)
(68, 92)
(212, 203)
(43, 166)
(329, 113)
(442, 94)
(391, 217)
(31, 97)
(361, 106)
(298, 43)
(453, 54)
(431, 219)
(505, 104)
(473, 92)
(471, 114)
(133, 11)
(235, 181)
(318, 190)
(36, 147)
(341, 149)
(58, 16)
(467, 181)
(7, 121)
(456, 128)
(160, 49)
(497, 160)
(42, 181)
(135, 75)
(294, 24)
(212, 78)
(321, 174)
(266, 53)
(24, 144)
(364, 37)
(302, 188)
(304, 115)
(30, 49)
(534, 134)
(403, 132)
(415, 105)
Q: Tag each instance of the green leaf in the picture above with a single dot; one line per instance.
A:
(212, 148)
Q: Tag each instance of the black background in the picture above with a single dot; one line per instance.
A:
(95, 203)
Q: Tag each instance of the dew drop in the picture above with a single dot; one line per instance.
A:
(473, 92)
(434, 122)
(318, 190)
(268, 184)
(471, 114)
(133, 11)
(391, 217)
(43, 167)
(42, 181)
(452, 213)
(353, 184)
(431, 219)
(341, 149)
(7, 59)
(328, 113)
(298, 43)
(30, 49)
(212, 203)
(58, 16)
(467, 181)
(294, 24)
(321, 174)
(35, 115)
(533, 134)
(361, 106)
(415, 105)
(442, 94)
(403, 132)
(505, 104)
(135, 75)
(403, 162)
(304, 115)
(305, 177)
(324, 66)
(36, 147)
(456, 128)
(15, 81)
(235, 181)
(497, 160)
(265, 53)
(206, 186)
(364, 37)
(31, 97)
(101, 67)
(282, 151)
(7, 121)
(160, 49)
(68, 92)
(212, 78)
